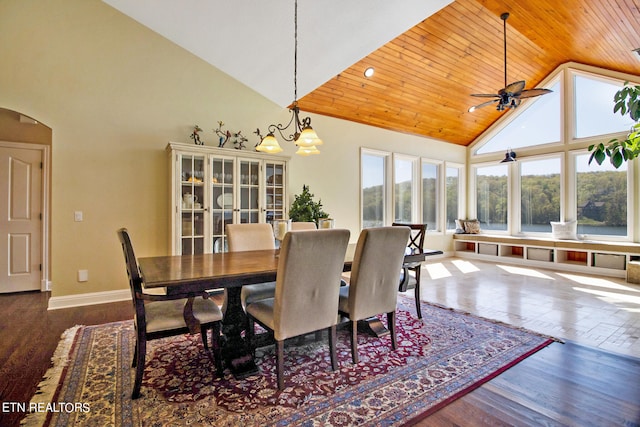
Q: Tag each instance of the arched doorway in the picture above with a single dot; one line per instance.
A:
(24, 202)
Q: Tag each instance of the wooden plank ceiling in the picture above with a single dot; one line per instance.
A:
(423, 79)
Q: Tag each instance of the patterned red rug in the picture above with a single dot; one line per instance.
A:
(439, 359)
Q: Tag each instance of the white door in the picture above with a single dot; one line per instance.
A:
(20, 219)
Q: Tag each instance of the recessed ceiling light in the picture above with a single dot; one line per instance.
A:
(369, 72)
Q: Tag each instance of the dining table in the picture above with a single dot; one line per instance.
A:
(191, 276)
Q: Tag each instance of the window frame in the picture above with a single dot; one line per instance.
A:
(474, 194)
(572, 200)
(440, 198)
(462, 205)
(416, 186)
(517, 184)
(386, 209)
(566, 149)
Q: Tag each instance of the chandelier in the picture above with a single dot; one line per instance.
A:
(302, 134)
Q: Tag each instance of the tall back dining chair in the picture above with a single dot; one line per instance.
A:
(415, 243)
(373, 287)
(306, 296)
(252, 237)
(303, 225)
(160, 316)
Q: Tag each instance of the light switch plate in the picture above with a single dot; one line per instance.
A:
(77, 215)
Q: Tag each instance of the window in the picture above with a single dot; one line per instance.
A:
(539, 194)
(538, 124)
(373, 179)
(601, 198)
(404, 188)
(430, 195)
(492, 199)
(419, 193)
(594, 107)
(452, 190)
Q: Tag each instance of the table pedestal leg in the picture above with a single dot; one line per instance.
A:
(236, 350)
(373, 326)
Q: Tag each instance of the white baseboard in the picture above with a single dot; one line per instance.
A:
(88, 299)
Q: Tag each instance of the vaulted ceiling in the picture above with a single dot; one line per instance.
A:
(428, 55)
(423, 79)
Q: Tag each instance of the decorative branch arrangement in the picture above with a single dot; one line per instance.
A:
(237, 138)
(195, 136)
(224, 136)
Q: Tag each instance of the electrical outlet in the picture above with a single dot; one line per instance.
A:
(83, 275)
(77, 216)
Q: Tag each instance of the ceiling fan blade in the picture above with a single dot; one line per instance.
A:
(513, 88)
(530, 93)
(484, 104)
(485, 95)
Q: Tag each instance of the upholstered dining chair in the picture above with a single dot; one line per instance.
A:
(306, 297)
(160, 316)
(415, 243)
(303, 225)
(373, 287)
(252, 237)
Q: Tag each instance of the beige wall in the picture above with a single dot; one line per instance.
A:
(114, 93)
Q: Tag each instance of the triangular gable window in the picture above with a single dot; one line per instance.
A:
(538, 124)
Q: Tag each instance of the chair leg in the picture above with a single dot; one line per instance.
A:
(417, 290)
(391, 324)
(141, 349)
(135, 355)
(203, 334)
(354, 341)
(280, 364)
(332, 347)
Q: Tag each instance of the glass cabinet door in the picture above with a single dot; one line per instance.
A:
(275, 196)
(222, 182)
(191, 203)
(249, 191)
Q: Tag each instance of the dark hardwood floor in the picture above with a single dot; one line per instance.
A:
(563, 384)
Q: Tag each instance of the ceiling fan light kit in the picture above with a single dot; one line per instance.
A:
(512, 94)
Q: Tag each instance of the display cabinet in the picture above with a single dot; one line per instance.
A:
(212, 187)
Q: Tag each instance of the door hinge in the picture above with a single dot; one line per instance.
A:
(41, 165)
(40, 267)
(40, 216)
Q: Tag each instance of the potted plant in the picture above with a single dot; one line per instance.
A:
(627, 101)
(305, 209)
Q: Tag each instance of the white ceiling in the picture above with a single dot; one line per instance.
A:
(253, 40)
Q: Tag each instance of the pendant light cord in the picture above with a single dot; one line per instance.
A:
(295, 52)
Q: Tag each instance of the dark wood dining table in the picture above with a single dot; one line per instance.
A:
(191, 276)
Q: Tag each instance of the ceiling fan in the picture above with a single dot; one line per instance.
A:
(512, 94)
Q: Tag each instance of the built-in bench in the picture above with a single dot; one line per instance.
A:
(596, 257)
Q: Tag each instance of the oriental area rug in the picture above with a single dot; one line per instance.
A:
(439, 358)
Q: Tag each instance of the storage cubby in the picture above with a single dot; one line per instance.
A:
(512, 251)
(488, 249)
(572, 257)
(465, 246)
(617, 262)
(540, 254)
(617, 259)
